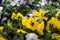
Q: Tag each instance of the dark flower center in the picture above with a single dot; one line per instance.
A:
(32, 24)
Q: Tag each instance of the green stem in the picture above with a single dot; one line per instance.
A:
(5, 6)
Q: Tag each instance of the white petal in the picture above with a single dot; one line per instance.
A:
(13, 4)
(1, 8)
(4, 19)
(43, 3)
(30, 14)
(38, 5)
(31, 36)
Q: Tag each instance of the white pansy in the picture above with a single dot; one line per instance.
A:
(1, 8)
(12, 3)
(15, 2)
(31, 36)
(43, 2)
(4, 19)
(3, 0)
(38, 5)
(18, 4)
(50, 2)
(30, 14)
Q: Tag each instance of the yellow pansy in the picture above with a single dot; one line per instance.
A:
(36, 14)
(30, 23)
(20, 30)
(19, 15)
(55, 22)
(13, 16)
(16, 16)
(33, 23)
(1, 28)
(39, 14)
(56, 36)
(58, 13)
(42, 12)
(1, 38)
(40, 28)
(48, 25)
(25, 22)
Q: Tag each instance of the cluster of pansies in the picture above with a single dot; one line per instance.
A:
(39, 23)
(29, 19)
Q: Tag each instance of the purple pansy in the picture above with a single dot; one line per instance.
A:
(22, 2)
(34, 11)
(47, 1)
(0, 2)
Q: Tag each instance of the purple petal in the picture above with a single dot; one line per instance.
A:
(34, 11)
(0, 2)
(47, 1)
(22, 3)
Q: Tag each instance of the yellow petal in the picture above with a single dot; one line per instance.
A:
(13, 16)
(45, 18)
(1, 28)
(20, 30)
(40, 28)
(1, 38)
